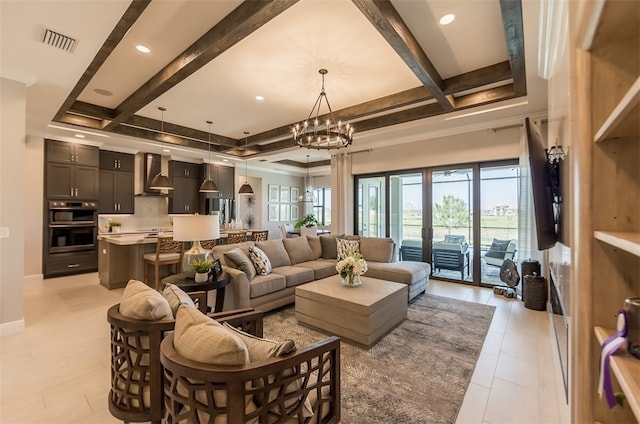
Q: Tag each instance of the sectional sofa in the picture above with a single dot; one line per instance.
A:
(299, 260)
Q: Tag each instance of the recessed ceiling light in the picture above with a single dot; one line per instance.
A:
(102, 92)
(447, 19)
(143, 49)
(259, 98)
(166, 150)
(79, 136)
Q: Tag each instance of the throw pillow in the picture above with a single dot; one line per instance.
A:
(275, 251)
(451, 238)
(140, 301)
(347, 247)
(238, 259)
(263, 349)
(498, 249)
(329, 246)
(316, 246)
(176, 297)
(298, 250)
(377, 249)
(200, 338)
(260, 261)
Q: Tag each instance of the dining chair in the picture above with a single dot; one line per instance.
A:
(208, 244)
(236, 237)
(168, 252)
(261, 235)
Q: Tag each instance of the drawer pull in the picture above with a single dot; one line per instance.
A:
(73, 265)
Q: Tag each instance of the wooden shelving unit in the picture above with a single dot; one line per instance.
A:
(626, 369)
(607, 209)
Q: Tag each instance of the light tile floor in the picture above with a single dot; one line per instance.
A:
(57, 369)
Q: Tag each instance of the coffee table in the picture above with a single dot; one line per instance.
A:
(361, 314)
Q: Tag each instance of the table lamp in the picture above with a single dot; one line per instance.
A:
(195, 228)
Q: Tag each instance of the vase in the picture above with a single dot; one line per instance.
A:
(351, 280)
(201, 277)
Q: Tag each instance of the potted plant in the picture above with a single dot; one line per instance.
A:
(202, 268)
(115, 226)
(308, 221)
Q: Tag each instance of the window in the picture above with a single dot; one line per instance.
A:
(322, 205)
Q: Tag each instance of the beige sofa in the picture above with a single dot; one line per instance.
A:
(300, 260)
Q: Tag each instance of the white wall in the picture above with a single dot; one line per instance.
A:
(12, 204)
(34, 180)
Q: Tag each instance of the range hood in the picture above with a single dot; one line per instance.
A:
(148, 165)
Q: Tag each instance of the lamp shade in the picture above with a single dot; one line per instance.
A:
(208, 186)
(160, 182)
(196, 227)
(245, 189)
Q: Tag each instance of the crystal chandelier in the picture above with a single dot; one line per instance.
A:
(328, 134)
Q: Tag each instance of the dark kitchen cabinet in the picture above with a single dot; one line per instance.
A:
(185, 196)
(223, 176)
(116, 192)
(66, 181)
(116, 161)
(72, 153)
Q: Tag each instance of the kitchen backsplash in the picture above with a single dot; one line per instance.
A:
(150, 214)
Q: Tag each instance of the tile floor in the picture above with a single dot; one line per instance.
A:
(57, 370)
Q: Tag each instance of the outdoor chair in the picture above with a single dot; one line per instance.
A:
(451, 254)
(499, 251)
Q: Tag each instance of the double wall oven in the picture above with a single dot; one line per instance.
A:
(71, 238)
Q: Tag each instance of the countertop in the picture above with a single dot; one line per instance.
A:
(128, 239)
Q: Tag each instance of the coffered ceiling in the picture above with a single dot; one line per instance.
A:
(391, 66)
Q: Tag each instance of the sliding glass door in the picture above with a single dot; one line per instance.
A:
(406, 224)
(371, 214)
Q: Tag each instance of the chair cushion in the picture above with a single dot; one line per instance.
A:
(298, 250)
(176, 297)
(377, 249)
(347, 247)
(236, 258)
(498, 249)
(275, 251)
(260, 260)
(452, 238)
(316, 246)
(140, 301)
(162, 257)
(200, 338)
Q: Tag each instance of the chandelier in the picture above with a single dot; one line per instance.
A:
(329, 134)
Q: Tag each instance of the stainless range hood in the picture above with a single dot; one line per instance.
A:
(148, 165)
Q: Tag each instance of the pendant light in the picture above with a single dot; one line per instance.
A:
(246, 188)
(208, 186)
(161, 181)
(307, 196)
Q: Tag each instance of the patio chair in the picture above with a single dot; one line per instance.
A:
(499, 251)
(451, 254)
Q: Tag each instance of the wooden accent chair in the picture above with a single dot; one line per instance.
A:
(260, 235)
(168, 252)
(208, 244)
(236, 237)
(197, 392)
(136, 372)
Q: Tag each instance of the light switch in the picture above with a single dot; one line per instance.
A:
(4, 232)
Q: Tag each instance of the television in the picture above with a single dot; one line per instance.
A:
(546, 210)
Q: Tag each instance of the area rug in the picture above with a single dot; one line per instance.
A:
(418, 373)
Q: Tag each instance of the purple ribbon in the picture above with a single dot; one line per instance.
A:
(609, 347)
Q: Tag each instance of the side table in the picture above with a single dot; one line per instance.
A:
(188, 284)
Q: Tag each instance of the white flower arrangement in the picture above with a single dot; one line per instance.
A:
(353, 264)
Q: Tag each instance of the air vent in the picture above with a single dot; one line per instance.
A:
(58, 40)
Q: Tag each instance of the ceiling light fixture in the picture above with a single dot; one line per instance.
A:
(307, 196)
(327, 135)
(246, 188)
(260, 98)
(208, 186)
(447, 19)
(143, 49)
(161, 181)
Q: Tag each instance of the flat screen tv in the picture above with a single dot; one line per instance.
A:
(541, 182)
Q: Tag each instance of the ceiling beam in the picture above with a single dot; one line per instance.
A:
(166, 139)
(233, 28)
(514, 36)
(386, 19)
(130, 16)
(478, 78)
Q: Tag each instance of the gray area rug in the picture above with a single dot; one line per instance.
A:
(418, 373)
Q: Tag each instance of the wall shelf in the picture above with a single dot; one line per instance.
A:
(628, 241)
(626, 368)
(623, 120)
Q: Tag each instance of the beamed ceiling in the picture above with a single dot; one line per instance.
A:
(430, 93)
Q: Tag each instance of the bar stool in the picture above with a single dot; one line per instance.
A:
(168, 252)
(236, 237)
(260, 235)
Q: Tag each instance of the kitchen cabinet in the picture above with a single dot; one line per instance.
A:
(65, 181)
(223, 176)
(71, 263)
(185, 196)
(116, 161)
(116, 182)
(72, 153)
(116, 192)
(607, 125)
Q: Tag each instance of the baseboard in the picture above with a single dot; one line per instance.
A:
(13, 327)
(34, 277)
